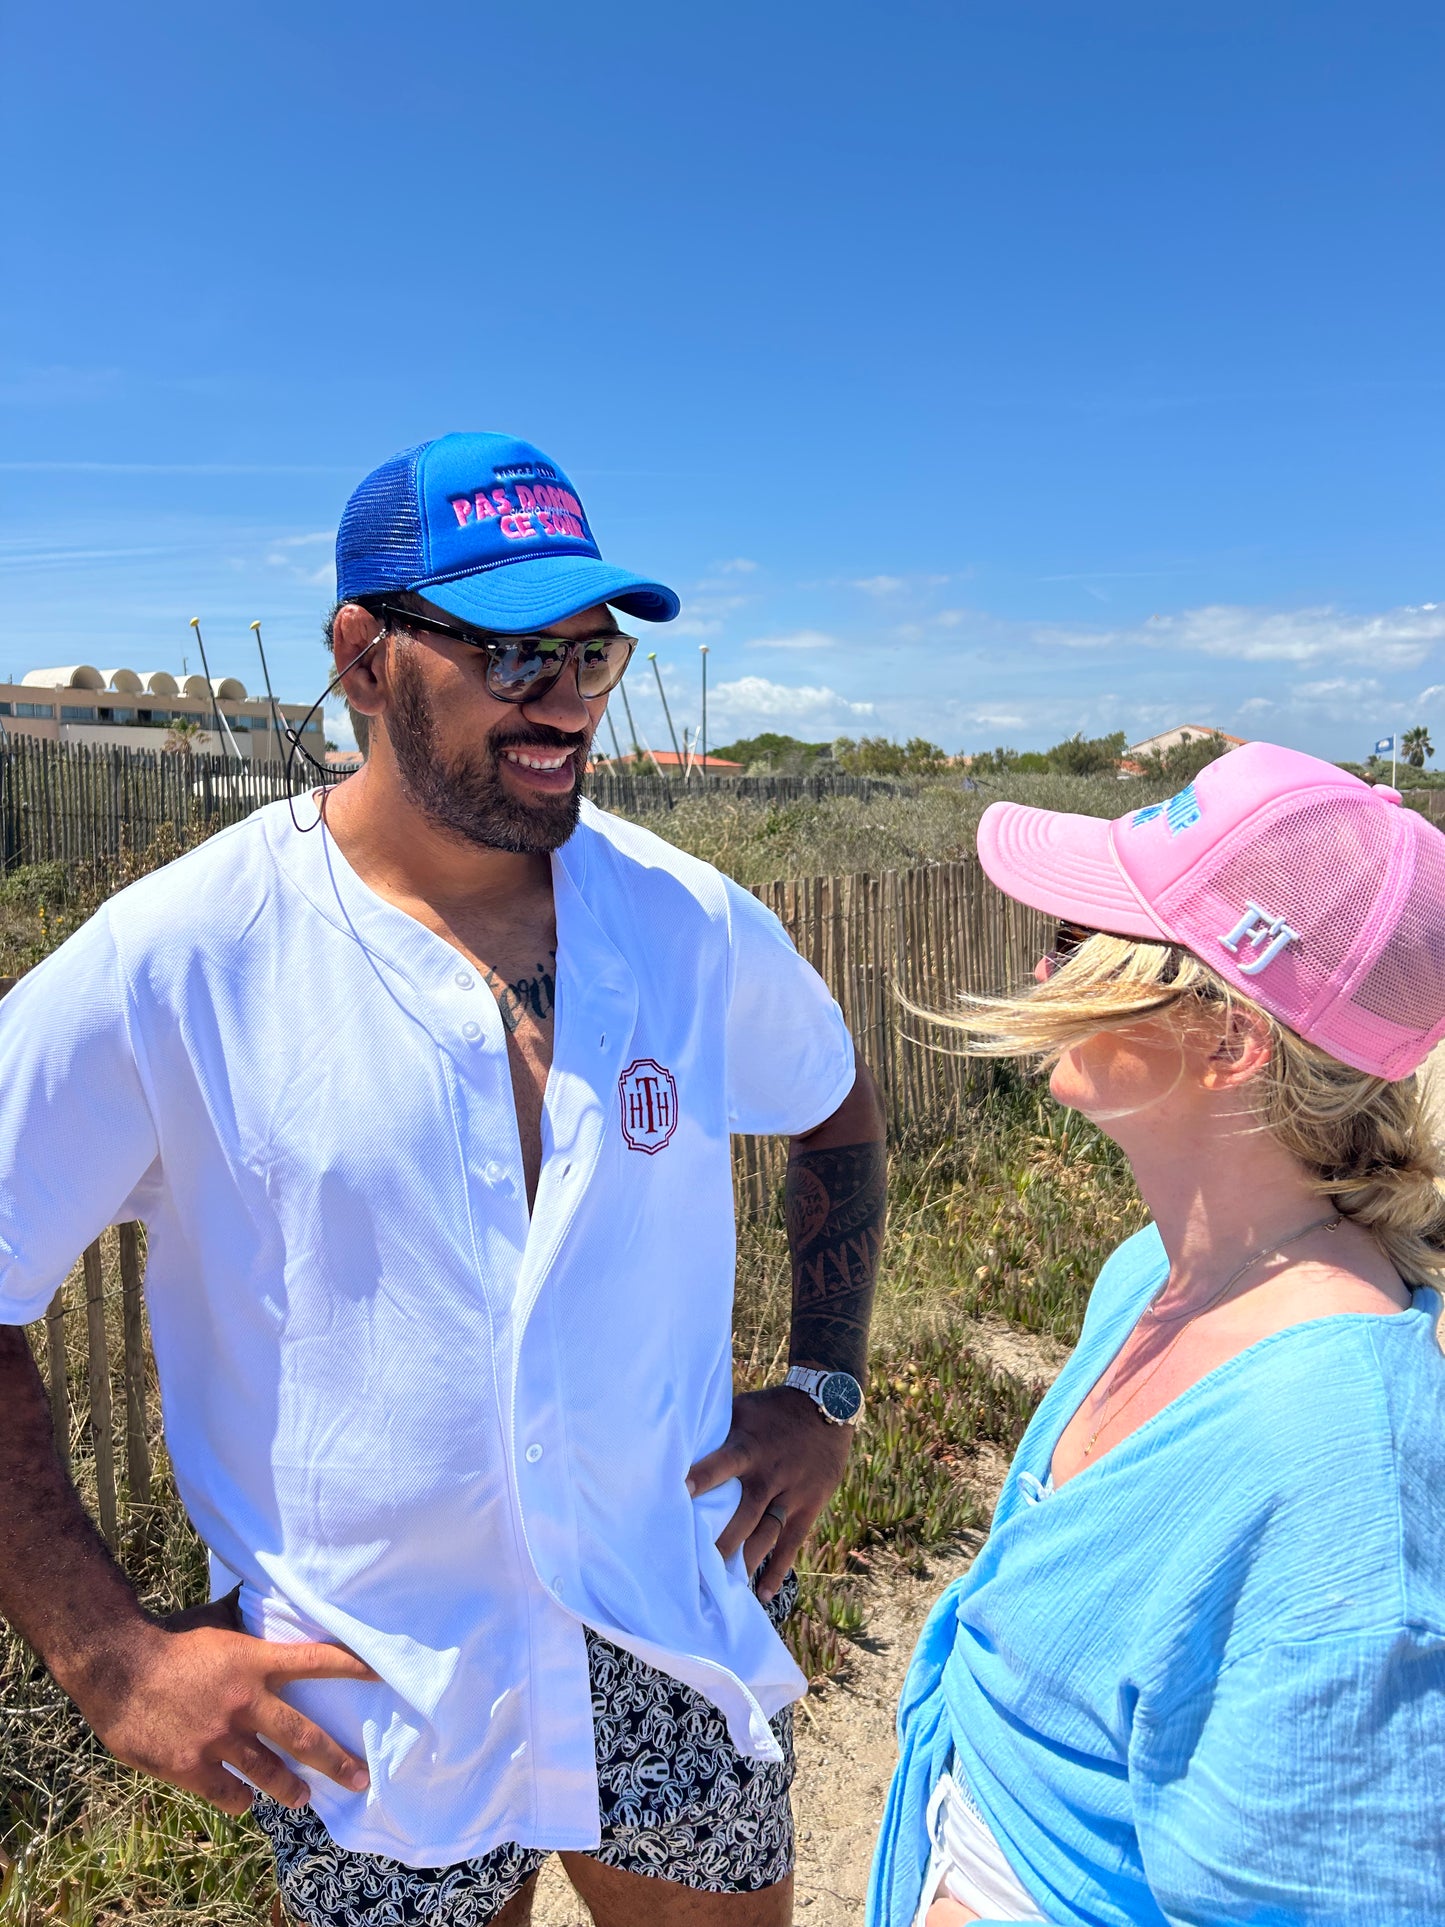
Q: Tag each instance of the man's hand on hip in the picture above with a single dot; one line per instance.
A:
(790, 1460)
(194, 1695)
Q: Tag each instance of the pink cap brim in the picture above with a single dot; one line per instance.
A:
(1063, 865)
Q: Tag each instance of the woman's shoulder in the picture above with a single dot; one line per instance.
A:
(1335, 1433)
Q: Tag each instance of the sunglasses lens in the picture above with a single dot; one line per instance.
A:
(530, 664)
(1068, 938)
(600, 664)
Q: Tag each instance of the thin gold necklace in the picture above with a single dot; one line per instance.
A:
(1107, 1417)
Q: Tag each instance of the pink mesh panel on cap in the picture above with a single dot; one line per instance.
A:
(1405, 985)
(1323, 863)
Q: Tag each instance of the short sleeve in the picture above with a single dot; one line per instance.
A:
(789, 1055)
(76, 1135)
(1302, 1787)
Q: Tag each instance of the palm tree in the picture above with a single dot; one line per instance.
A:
(184, 736)
(1415, 746)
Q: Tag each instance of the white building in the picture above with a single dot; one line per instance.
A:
(133, 709)
(1168, 739)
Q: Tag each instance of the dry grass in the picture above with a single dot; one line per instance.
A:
(758, 842)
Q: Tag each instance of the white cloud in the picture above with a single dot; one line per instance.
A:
(800, 639)
(1337, 689)
(753, 698)
(337, 718)
(887, 585)
(739, 565)
(1430, 695)
(1393, 639)
(1254, 704)
(706, 614)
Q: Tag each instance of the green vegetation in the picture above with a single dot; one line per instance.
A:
(1002, 1225)
(880, 756)
(773, 755)
(757, 842)
(1182, 762)
(1415, 746)
(996, 1231)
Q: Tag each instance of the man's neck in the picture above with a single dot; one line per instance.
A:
(402, 855)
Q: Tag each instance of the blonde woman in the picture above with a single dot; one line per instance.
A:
(1197, 1673)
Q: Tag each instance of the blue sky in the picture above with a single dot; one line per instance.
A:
(988, 371)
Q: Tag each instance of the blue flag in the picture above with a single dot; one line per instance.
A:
(1385, 746)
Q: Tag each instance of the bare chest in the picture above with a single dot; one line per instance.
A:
(1154, 1368)
(524, 983)
(516, 959)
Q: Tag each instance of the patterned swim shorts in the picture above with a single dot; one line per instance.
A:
(721, 1824)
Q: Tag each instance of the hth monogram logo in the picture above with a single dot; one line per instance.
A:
(649, 1105)
(1268, 935)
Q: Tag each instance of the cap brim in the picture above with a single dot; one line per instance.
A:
(535, 591)
(1063, 865)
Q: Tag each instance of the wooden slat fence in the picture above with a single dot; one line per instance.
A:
(71, 803)
(881, 943)
(67, 803)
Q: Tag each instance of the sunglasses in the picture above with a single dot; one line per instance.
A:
(522, 668)
(1069, 937)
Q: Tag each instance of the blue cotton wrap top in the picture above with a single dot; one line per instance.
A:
(1204, 1680)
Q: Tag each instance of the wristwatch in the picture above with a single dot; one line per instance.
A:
(837, 1395)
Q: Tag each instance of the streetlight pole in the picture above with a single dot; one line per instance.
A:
(652, 658)
(275, 714)
(702, 647)
(631, 726)
(215, 702)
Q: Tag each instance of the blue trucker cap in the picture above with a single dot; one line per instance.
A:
(487, 528)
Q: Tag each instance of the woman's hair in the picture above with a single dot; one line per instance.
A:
(1365, 1143)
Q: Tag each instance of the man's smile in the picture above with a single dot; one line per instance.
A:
(538, 759)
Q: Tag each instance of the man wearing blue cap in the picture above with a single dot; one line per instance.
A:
(440, 1282)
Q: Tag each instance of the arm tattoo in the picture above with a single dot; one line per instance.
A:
(836, 1204)
(534, 996)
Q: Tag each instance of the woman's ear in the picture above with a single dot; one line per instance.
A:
(1241, 1051)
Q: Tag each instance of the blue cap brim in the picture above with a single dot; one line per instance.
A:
(534, 592)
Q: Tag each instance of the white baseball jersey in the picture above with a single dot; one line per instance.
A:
(405, 1414)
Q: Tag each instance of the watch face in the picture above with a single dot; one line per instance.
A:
(842, 1397)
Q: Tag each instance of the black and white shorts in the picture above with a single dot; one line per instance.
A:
(718, 1823)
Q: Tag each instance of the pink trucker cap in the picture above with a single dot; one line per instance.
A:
(1317, 896)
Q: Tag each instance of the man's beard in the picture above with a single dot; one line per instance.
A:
(468, 797)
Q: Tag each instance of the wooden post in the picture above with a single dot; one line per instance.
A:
(59, 1381)
(137, 1448)
(101, 1418)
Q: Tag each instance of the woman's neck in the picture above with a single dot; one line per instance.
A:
(1219, 1189)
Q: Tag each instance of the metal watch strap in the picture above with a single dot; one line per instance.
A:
(810, 1381)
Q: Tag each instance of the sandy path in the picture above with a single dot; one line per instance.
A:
(845, 1730)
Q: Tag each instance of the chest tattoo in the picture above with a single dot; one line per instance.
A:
(534, 995)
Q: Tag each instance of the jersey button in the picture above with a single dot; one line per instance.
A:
(534, 1452)
(464, 980)
(471, 1030)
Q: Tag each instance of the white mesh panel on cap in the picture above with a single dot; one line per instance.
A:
(1406, 983)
